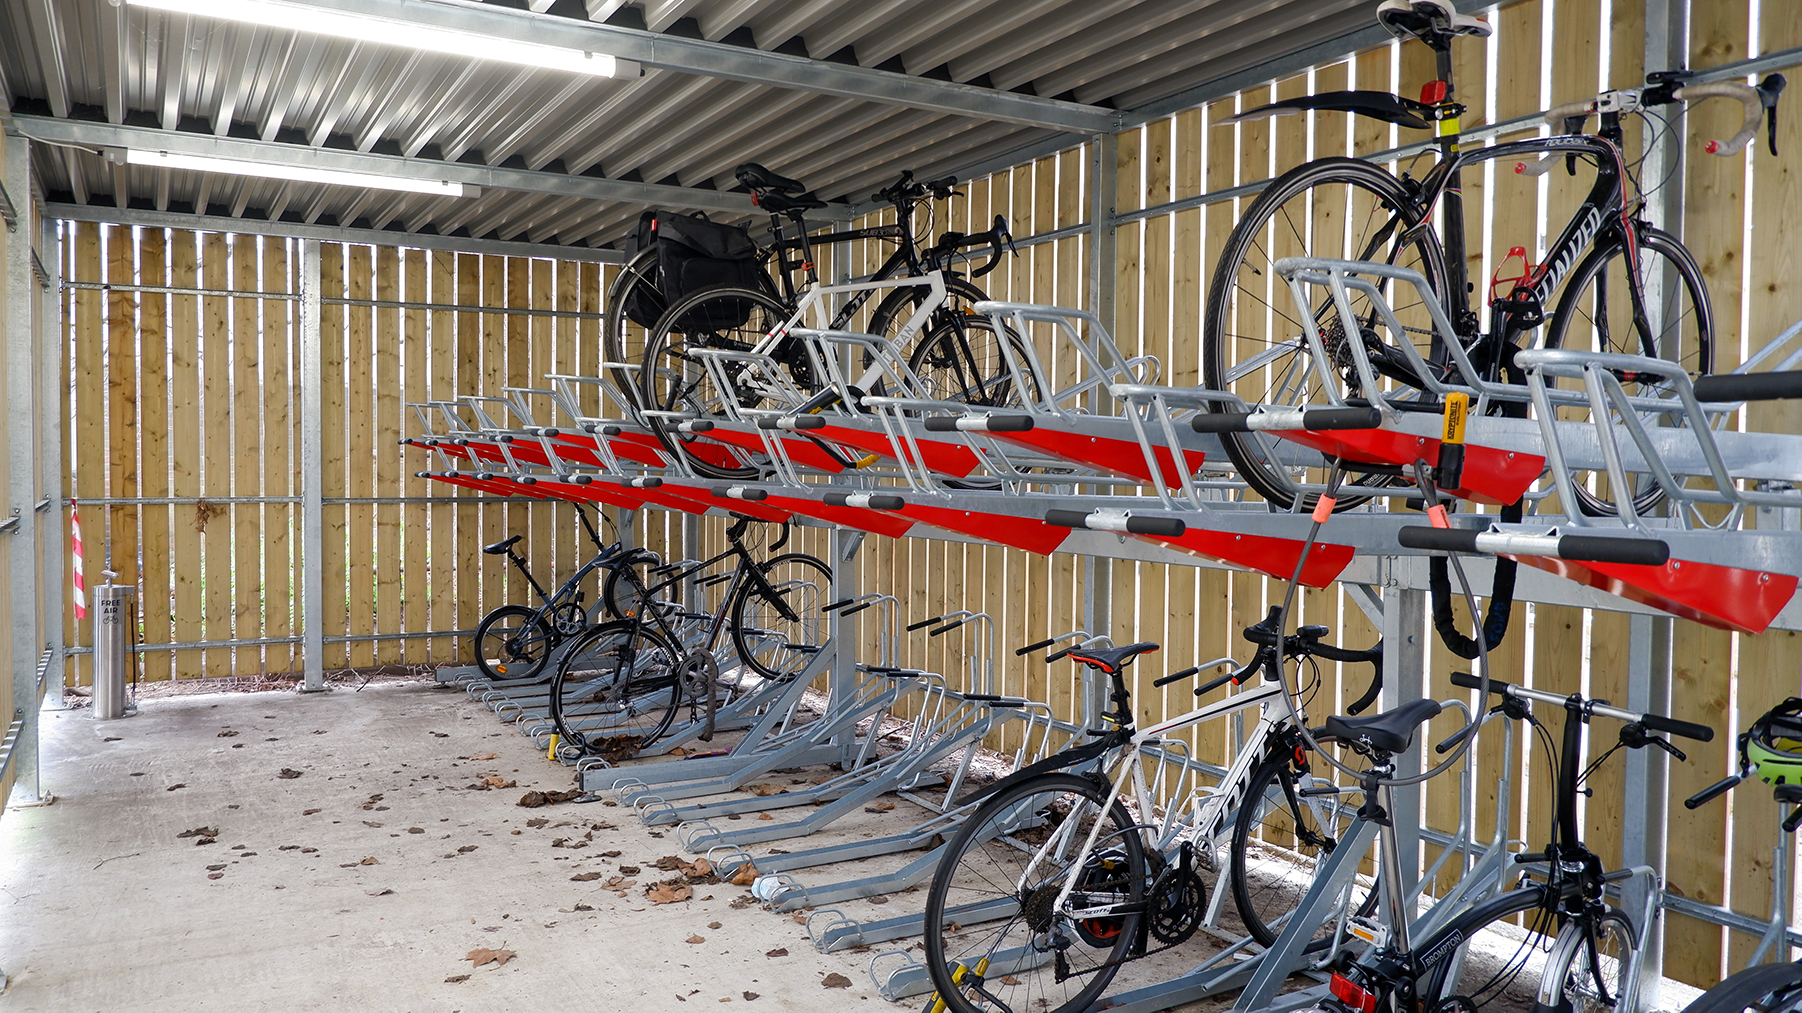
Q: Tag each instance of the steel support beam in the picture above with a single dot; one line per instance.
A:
(1098, 570)
(326, 234)
(53, 525)
(736, 63)
(90, 134)
(312, 472)
(18, 343)
(1404, 680)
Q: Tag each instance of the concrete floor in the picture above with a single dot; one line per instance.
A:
(362, 883)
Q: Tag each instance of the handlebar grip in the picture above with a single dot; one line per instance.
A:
(1029, 648)
(1687, 729)
(1569, 111)
(1176, 676)
(1750, 386)
(1465, 680)
(1442, 539)
(1712, 792)
(1640, 551)
(922, 624)
(1374, 655)
(1748, 97)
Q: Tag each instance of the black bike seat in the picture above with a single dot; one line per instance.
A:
(777, 204)
(1388, 732)
(758, 178)
(1422, 19)
(499, 547)
(1111, 659)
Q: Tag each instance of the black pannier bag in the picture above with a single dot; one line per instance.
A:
(644, 302)
(694, 254)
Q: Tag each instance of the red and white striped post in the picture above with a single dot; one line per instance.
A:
(81, 591)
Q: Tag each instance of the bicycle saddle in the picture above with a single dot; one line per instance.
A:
(779, 204)
(1111, 659)
(1389, 732)
(758, 178)
(499, 547)
(1418, 19)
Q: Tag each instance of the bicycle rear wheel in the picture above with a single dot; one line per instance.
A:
(512, 642)
(634, 293)
(617, 690)
(1253, 342)
(777, 625)
(673, 380)
(1655, 304)
(997, 936)
(1280, 840)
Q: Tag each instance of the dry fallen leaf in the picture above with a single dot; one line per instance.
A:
(199, 832)
(835, 980)
(484, 756)
(668, 893)
(879, 807)
(745, 874)
(288, 774)
(695, 939)
(371, 860)
(750, 995)
(584, 877)
(534, 799)
(453, 979)
(766, 816)
(215, 875)
(484, 956)
(762, 790)
(780, 951)
(309, 812)
(378, 893)
(1008, 979)
(713, 925)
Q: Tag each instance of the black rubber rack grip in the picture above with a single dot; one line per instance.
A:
(1029, 648)
(1750, 386)
(1162, 527)
(1642, 551)
(1312, 419)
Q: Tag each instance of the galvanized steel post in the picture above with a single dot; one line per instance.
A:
(312, 474)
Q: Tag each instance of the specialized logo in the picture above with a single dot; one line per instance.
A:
(1579, 238)
(1443, 950)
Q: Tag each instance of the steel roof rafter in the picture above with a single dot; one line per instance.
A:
(102, 135)
(717, 59)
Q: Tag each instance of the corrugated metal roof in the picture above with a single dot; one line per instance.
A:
(88, 60)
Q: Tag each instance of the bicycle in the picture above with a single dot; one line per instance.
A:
(1594, 959)
(1080, 885)
(515, 641)
(1604, 268)
(631, 677)
(957, 354)
(1767, 750)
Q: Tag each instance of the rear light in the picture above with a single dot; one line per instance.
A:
(1352, 994)
(1433, 92)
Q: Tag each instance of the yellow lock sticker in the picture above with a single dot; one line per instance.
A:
(1457, 413)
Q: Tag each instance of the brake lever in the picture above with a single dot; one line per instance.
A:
(1768, 91)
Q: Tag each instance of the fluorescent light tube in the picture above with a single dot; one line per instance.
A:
(348, 25)
(297, 173)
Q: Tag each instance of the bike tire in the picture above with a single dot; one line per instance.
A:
(1272, 866)
(777, 625)
(617, 679)
(981, 904)
(622, 340)
(1251, 343)
(1597, 302)
(670, 380)
(623, 599)
(514, 651)
(1764, 988)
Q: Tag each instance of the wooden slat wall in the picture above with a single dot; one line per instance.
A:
(211, 383)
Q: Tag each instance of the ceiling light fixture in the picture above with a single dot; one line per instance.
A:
(301, 17)
(298, 173)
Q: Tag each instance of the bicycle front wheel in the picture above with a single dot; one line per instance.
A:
(1579, 980)
(1024, 913)
(1764, 988)
(617, 690)
(1655, 304)
(513, 642)
(1254, 335)
(777, 625)
(673, 379)
(1279, 842)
